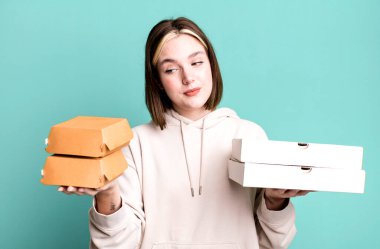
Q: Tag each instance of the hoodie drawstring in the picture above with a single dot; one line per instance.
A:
(187, 162)
(201, 162)
(213, 118)
(201, 173)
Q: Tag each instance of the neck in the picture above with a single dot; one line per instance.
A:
(193, 114)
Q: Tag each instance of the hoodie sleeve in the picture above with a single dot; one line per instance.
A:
(275, 229)
(122, 229)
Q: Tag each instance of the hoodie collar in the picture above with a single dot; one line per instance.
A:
(173, 118)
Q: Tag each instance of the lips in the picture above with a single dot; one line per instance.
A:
(192, 92)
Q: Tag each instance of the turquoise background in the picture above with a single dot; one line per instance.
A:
(304, 70)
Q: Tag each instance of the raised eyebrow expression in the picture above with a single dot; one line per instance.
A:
(190, 56)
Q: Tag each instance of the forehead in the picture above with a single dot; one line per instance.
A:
(180, 46)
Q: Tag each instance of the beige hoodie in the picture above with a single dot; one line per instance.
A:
(177, 195)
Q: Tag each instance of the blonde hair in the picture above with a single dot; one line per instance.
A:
(172, 34)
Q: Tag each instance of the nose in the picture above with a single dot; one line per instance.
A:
(187, 77)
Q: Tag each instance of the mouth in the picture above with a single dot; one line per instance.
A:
(192, 92)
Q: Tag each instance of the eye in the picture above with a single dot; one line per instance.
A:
(197, 63)
(171, 70)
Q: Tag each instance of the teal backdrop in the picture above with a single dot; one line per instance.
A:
(305, 70)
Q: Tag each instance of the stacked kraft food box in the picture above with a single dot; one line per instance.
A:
(86, 152)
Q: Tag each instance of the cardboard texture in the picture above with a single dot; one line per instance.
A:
(289, 165)
(83, 171)
(89, 136)
(87, 152)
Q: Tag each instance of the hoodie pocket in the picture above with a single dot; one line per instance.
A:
(179, 245)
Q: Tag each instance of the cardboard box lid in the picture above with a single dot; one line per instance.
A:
(296, 177)
(86, 172)
(301, 154)
(89, 136)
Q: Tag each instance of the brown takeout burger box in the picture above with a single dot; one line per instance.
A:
(89, 136)
(83, 171)
(87, 151)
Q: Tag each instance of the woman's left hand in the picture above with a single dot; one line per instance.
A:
(278, 199)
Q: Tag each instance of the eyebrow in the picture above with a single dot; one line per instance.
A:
(190, 56)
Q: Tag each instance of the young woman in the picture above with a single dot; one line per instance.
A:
(176, 192)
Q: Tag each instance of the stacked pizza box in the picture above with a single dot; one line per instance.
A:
(86, 151)
(293, 165)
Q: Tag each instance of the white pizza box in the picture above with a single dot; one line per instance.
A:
(297, 177)
(298, 154)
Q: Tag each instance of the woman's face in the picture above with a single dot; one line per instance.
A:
(185, 73)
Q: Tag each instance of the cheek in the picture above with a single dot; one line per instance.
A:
(170, 84)
(207, 76)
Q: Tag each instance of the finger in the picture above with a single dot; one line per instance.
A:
(276, 191)
(282, 193)
(88, 191)
(291, 192)
(67, 192)
(107, 186)
(63, 189)
(296, 192)
(303, 192)
(71, 189)
(101, 188)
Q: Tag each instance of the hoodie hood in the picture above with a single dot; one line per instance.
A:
(208, 121)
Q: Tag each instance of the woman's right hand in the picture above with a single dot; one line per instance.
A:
(85, 191)
(107, 198)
